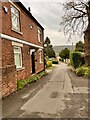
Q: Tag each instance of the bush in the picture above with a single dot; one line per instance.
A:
(22, 83)
(48, 63)
(87, 72)
(41, 74)
(68, 62)
(81, 71)
(55, 61)
(76, 59)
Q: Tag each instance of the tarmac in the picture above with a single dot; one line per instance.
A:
(60, 94)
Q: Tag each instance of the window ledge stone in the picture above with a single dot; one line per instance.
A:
(22, 68)
(17, 31)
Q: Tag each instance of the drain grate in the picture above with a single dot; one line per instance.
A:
(54, 95)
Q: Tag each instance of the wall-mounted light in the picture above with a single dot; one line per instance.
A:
(5, 9)
(30, 26)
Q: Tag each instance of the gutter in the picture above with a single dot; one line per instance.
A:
(7, 37)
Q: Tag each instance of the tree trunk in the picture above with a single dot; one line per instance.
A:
(87, 47)
(87, 39)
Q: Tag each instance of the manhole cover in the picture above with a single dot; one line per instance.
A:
(54, 95)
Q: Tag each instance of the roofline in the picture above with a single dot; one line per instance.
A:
(28, 13)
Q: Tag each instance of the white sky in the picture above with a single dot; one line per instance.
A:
(49, 15)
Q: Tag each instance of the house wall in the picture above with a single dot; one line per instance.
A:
(26, 33)
(10, 74)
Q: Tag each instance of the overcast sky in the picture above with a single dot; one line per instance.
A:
(49, 15)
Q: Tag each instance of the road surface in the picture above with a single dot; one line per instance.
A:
(55, 97)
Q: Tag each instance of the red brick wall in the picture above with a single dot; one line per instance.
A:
(9, 73)
(7, 53)
(8, 69)
(29, 35)
(25, 72)
(9, 80)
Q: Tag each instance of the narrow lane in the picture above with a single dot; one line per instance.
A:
(54, 96)
(49, 100)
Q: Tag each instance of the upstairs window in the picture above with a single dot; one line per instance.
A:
(15, 18)
(39, 35)
(18, 57)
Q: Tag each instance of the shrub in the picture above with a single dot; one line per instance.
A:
(22, 83)
(33, 78)
(68, 62)
(81, 71)
(55, 61)
(41, 74)
(76, 59)
(48, 63)
(87, 72)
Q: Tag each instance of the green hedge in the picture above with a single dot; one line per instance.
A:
(76, 59)
(87, 72)
(22, 83)
(83, 71)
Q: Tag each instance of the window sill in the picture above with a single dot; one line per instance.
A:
(22, 68)
(17, 31)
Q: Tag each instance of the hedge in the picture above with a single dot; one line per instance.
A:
(76, 59)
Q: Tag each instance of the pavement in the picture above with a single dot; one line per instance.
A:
(60, 94)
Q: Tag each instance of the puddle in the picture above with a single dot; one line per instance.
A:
(54, 95)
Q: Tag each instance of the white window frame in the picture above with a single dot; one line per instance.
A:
(18, 18)
(19, 53)
(40, 56)
(39, 35)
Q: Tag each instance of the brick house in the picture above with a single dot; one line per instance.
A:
(22, 45)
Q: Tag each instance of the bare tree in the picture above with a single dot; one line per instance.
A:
(76, 20)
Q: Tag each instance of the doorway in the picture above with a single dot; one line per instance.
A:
(33, 62)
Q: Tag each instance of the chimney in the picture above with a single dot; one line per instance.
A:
(29, 9)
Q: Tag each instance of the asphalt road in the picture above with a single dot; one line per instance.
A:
(53, 96)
